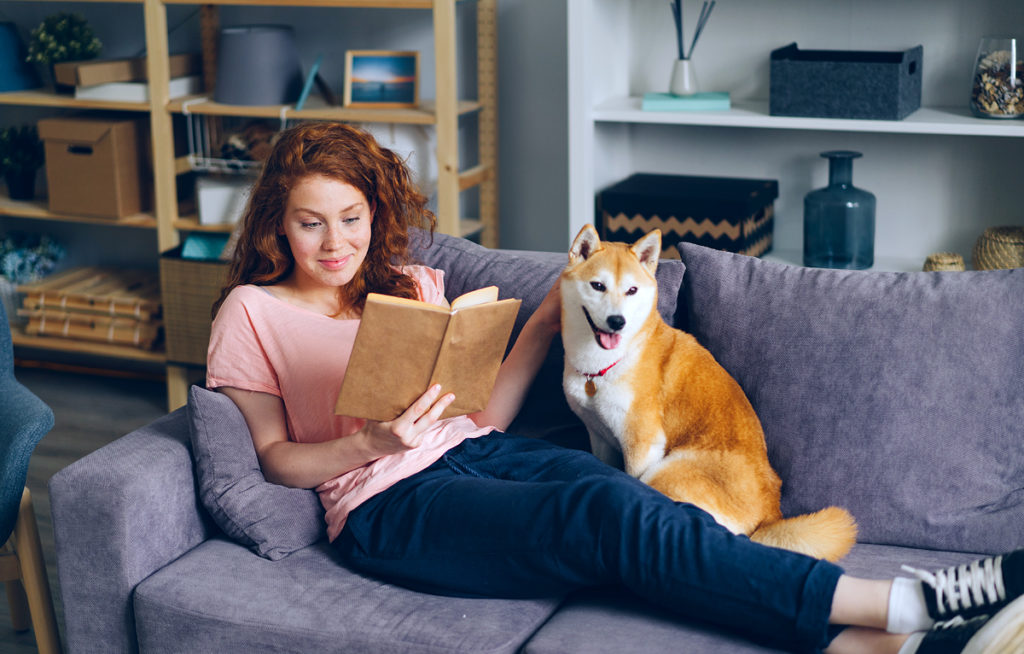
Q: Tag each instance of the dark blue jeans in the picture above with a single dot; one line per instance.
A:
(502, 516)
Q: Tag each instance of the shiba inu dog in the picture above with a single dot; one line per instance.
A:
(659, 405)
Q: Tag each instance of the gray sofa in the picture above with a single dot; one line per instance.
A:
(898, 396)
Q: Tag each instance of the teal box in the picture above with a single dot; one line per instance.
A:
(204, 247)
(711, 101)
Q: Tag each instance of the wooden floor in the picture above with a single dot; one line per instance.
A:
(90, 411)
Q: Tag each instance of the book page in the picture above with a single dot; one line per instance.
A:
(379, 298)
(473, 298)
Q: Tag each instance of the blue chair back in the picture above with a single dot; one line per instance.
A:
(24, 420)
(6, 349)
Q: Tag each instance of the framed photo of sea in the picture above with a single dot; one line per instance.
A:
(382, 79)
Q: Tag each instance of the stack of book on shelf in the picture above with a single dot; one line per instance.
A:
(106, 305)
(707, 101)
(126, 80)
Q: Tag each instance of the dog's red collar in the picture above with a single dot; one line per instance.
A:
(590, 388)
(591, 376)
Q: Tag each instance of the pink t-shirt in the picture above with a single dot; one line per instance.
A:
(261, 343)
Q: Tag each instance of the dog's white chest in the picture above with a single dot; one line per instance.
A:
(601, 404)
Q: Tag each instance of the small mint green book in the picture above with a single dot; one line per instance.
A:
(205, 247)
(709, 101)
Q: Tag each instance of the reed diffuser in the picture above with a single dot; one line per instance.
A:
(684, 77)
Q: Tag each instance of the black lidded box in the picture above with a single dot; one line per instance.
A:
(724, 213)
(845, 84)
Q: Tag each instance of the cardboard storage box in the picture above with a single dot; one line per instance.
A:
(189, 288)
(724, 213)
(104, 71)
(845, 84)
(95, 166)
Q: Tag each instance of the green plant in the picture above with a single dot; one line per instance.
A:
(62, 37)
(20, 149)
(28, 257)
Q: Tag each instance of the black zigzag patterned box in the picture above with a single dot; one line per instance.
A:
(724, 213)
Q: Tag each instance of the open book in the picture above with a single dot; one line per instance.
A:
(404, 346)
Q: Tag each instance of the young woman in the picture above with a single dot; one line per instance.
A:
(457, 507)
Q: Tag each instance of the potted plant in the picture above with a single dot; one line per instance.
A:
(62, 37)
(21, 155)
(24, 258)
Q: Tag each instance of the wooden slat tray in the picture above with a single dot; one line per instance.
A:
(107, 291)
(92, 327)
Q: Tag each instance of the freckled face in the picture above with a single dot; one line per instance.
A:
(327, 224)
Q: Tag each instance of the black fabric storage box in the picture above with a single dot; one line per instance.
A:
(845, 84)
(724, 213)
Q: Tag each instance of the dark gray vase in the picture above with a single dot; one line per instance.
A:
(258, 65)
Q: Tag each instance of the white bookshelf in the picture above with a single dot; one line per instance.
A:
(948, 121)
(940, 175)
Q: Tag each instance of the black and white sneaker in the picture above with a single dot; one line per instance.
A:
(1002, 633)
(973, 589)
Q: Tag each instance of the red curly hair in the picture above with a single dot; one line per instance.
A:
(262, 255)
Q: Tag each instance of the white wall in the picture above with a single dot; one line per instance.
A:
(533, 127)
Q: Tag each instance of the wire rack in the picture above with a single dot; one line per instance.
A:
(228, 144)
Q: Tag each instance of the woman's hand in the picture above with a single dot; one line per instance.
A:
(406, 431)
(548, 315)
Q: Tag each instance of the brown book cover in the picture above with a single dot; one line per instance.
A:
(404, 346)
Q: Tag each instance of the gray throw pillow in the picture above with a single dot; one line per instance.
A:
(899, 396)
(270, 519)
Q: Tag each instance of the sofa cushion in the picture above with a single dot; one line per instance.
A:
(529, 275)
(221, 598)
(612, 621)
(897, 395)
(272, 520)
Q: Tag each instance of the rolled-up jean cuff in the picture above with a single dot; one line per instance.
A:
(812, 618)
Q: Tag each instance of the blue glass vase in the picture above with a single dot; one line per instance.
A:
(839, 220)
(15, 73)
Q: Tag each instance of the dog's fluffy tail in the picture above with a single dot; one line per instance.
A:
(827, 534)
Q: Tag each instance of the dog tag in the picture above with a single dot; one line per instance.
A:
(590, 388)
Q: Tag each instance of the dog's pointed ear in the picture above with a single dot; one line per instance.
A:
(587, 242)
(647, 250)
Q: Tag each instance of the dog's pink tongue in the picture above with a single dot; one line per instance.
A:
(609, 341)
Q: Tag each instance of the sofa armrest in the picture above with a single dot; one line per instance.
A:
(120, 514)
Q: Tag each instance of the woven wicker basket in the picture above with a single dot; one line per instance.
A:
(943, 261)
(1000, 247)
(189, 289)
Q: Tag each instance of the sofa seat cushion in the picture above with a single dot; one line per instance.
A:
(612, 621)
(899, 396)
(223, 597)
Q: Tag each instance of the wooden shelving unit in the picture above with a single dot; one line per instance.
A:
(171, 221)
(37, 210)
(20, 339)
